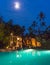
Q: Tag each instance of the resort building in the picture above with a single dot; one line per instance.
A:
(18, 42)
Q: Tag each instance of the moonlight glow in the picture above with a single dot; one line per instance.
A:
(17, 5)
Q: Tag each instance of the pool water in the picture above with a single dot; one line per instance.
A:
(25, 57)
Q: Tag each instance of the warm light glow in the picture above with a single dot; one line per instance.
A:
(18, 38)
(17, 5)
(29, 50)
(17, 56)
(7, 47)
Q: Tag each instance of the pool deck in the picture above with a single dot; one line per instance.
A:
(6, 50)
(9, 50)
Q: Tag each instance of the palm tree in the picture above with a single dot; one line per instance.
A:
(34, 25)
(17, 29)
(2, 25)
(48, 31)
(41, 16)
(48, 28)
(8, 27)
(42, 23)
(32, 29)
(22, 30)
(22, 34)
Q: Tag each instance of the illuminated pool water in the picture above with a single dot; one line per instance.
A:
(25, 57)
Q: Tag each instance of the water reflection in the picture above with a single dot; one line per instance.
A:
(25, 57)
(32, 52)
(28, 50)
(11, 62)
(38, 53)
(17, 56)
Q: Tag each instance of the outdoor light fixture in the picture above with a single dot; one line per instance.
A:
(18, 38)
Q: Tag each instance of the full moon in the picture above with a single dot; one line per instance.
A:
(17, 5)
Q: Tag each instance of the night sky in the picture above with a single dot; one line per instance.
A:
(28, 11)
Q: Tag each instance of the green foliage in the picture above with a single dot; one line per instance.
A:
(37, 28)
(1, 35)
(6, 39)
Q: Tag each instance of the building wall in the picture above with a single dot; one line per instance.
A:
(35, 43)
(28, 41)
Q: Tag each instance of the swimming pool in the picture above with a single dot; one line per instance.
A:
(25, 57)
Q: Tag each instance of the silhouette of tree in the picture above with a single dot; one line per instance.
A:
(22, 30)
(32, 29)
(34, 25)
(42, 23)
(38, 28)
(17, 29)
(2, 25)
(8, 27)
(41, 16)
(22, 34)
(48, 32)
